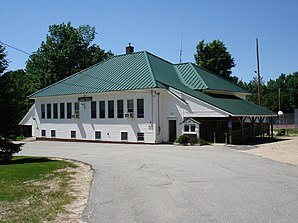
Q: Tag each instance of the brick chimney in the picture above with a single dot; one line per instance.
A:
(129, 49)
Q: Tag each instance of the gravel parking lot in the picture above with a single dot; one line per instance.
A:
(165, 183)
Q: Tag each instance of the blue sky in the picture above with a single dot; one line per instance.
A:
(156, 26)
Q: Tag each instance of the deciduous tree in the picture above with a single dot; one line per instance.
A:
(216, 58)
(65, 51)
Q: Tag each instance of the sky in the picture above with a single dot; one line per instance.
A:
(163, 27)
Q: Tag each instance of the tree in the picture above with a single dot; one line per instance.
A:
(3, 61)
(288, 85)
(15, 86)
(65, 51)
(216, 58)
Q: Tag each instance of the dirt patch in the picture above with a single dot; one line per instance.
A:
(80, 187)
(285, 151)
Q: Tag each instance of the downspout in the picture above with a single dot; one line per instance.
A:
(158, 121)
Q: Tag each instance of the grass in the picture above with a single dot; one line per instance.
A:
(291, 132)
(33, 189)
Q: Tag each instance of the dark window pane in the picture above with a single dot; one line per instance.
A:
(43, 111)
(55, 112)
(130, 106)
(62, 111)
(93, 109)
(102, 109)
(186, 128)
(43, 133)
(97, 135)
(124, 136)
(69, 110)
(53, 133)
(120, 109)
(111, 109)
(192, 128)
(49, 111)
(73, 134)
(140, 108)
(140, 136)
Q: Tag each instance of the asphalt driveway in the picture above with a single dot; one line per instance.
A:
(164, 183)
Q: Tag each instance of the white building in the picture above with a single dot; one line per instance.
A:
(139, 97)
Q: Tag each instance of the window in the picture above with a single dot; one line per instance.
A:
(93, 109)
(124, 136)
(62, 111)
(102, 109)
(140, 108)
(119, 108)
(111, 109)
(130, 106)
(49, 111)
(77, 108)
(73, 134)
(43, 111)
(69, 110)
(43, 133)
(140, 136)
(53, 133)
(189, 127)
(192, 128)
(55, 112)
(97, 135)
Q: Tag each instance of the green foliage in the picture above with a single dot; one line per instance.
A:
(8, 149)
(66, 50)
(288, 85)
(203, 142)
(15, 86)
(216, 58)
(3, 61)
(34, 189)
(183, 139)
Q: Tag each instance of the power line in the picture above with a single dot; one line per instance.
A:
(15, 48)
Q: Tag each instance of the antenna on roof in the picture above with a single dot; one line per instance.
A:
(180, 52)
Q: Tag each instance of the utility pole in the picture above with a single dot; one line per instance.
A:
(258, 70)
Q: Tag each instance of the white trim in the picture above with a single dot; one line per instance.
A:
(27, 114)
(225, 113)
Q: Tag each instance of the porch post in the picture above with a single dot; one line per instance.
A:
(271, 126)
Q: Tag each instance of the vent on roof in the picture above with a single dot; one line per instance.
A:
(129, 49)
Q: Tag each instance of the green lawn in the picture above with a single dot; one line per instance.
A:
(291, 132)
(33, 189)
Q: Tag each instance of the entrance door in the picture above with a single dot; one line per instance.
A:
(172, 130)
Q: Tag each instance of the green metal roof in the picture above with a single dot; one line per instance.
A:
(125, 72)
(143, 70)
(200, 79)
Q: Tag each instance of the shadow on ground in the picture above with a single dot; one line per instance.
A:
(23, 160)
(258, 141)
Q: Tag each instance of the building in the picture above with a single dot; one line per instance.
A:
(141, 98)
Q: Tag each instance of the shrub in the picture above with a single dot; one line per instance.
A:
(183, 139)
(8, 149)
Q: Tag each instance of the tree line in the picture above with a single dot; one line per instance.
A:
(67, 50)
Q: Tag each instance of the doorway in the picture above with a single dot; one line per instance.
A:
(172, 130)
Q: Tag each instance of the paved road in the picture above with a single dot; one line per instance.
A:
(163, 183)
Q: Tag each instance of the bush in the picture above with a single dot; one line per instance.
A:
(8, 149)
(183, 139)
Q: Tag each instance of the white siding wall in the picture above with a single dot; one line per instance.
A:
(173, 105)
(110, 128)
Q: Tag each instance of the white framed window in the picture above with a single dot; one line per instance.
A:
(124, 136)
(140, 136)
(189, 128)
(73, 134)
(53, 133)
(97, 134)
(43, 133)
